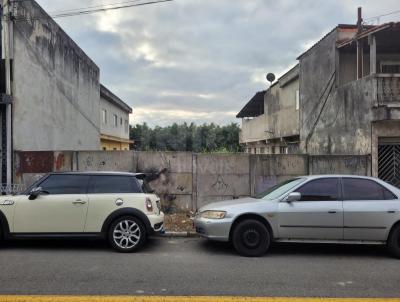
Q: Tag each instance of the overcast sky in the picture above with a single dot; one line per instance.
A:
(202, 60)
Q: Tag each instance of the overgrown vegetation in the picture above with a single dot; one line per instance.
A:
(187, 137)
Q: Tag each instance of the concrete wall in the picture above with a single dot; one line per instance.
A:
(317, 74)
(186, 181)
(343, 123)
(280, 108)
(55, 86)
(109, 128)
(268, 170)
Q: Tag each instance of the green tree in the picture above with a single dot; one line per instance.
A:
(184, 137)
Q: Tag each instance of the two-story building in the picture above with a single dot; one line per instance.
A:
(348, 101)
(50, 93)
(114, 127)
(350, 96)
(270, 120)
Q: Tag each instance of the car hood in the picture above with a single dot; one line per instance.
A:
(221, 205)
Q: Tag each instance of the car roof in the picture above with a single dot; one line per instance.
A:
(337, 175)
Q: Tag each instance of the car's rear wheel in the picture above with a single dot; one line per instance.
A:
(394, 241)
(251, 238)
(127, 234)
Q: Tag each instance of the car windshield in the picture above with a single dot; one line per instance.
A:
(279, 189)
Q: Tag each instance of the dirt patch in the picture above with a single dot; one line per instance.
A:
(178, 223)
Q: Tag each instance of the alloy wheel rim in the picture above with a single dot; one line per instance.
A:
(126, 234)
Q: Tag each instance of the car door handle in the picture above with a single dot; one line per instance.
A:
(332, 211)
(79, 201)
(392, 211)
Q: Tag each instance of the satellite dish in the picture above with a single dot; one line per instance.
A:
(270, 77)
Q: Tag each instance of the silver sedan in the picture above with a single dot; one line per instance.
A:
(320, 209)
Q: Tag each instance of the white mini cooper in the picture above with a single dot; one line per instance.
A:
(115, 206)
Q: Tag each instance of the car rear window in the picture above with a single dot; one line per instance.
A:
(365, 189)
(103, 184)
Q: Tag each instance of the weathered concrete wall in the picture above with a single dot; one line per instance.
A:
(343, 124)
(175, 182)
(268, 170)
(104, 161)
(343, 164)
(221, 176)
(334, 120)
(55, 86)
(317, 74)
(186, 181)
(280, 107)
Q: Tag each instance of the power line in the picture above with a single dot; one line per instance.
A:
(92, 7)
(93, 11)
(383, 15)
(87, 11)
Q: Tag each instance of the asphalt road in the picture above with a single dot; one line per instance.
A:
(192, 266)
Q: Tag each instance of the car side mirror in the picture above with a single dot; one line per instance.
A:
(294, 196)
(36, 192)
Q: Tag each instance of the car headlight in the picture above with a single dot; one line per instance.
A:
(213, 214)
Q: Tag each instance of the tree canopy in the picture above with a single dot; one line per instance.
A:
(186, 137)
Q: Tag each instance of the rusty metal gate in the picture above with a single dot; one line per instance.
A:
(389, 163)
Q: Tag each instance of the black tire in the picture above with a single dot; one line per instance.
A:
(133, 234)
(394, 241)
(251, 238)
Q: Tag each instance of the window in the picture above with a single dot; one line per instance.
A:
(282, 150)
(297, 100)
(114, 184)
(365, 189)
(324, 189)
(279, 189)
(390, 67)
(104, 116)
(65, 184)
(262, 150)
(115, 120)
(126, 126)
(120, 121)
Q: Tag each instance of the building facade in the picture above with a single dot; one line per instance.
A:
(49, 88)
(270, 120)
(114, 128)
(348, 101)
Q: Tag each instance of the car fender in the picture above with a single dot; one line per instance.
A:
(252, 215)
(127, 212)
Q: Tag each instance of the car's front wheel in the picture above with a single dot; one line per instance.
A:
(394, 241)
(251, 238)
(127, 234)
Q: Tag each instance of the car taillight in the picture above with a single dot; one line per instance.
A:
(149, 205)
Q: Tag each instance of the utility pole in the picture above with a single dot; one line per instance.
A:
(360, 46)
(7, 56)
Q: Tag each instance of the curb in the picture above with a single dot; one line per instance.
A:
(179, 234)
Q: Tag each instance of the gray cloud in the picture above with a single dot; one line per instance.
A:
(202, 60)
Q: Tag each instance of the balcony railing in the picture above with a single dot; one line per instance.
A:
(253, 130)
(388, 88)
